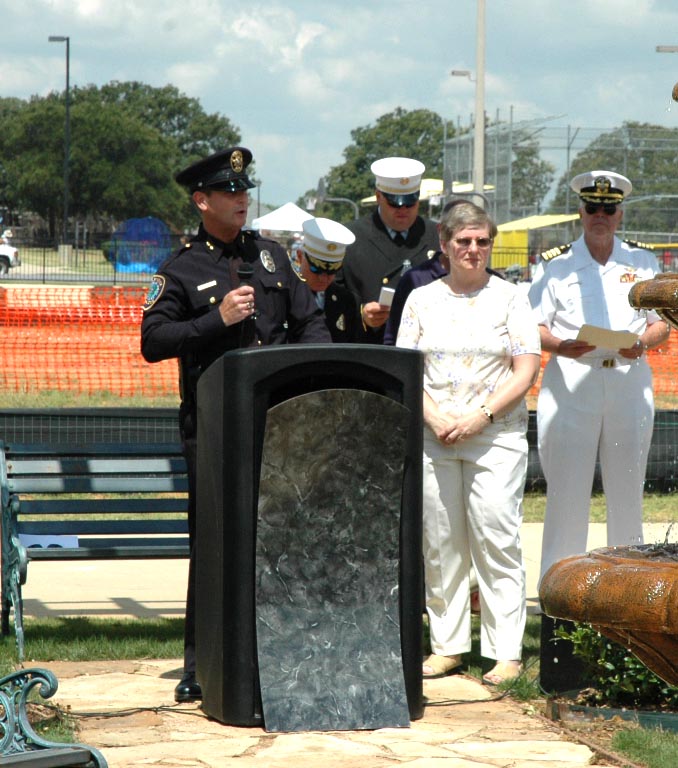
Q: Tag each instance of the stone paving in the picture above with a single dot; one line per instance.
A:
(136, 723)
(126, 710)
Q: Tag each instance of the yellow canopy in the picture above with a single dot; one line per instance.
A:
(535, 222)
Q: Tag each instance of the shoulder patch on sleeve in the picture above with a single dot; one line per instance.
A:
(155, 290)
(559, 250)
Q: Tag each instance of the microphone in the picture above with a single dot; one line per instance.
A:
(245, 273)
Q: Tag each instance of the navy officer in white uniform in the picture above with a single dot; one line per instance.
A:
(594, 401)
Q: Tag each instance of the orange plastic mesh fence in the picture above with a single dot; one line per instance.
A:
(85, 339)
(664, 363)
(78, 339)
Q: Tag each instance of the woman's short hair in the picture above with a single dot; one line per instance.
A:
(465, 214)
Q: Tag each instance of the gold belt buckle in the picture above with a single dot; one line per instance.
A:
(609, 363)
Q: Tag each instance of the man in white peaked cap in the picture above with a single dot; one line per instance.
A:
(317, 258)
(596, 399)
(388, 242)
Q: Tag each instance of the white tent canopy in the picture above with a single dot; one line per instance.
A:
(287, 218)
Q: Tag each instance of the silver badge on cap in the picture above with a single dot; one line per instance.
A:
(267, 261)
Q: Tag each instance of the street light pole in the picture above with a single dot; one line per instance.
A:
(479, 127)
(67, 129)
(321, 197)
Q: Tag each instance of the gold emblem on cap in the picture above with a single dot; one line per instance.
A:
(602, 185)
(237, 161)
(404, 181)
(331, 247)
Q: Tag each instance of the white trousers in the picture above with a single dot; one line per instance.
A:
(584, 412)
(472, 515)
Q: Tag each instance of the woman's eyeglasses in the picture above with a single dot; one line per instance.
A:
(608, 209)
(481, 242)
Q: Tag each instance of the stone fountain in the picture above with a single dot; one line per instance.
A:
(630, 593)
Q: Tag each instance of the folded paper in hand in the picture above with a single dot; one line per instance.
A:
(606, 339)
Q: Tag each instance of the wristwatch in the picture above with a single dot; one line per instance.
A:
(486, 410)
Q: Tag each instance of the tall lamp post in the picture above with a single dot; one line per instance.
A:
(479, 127)
(479, 117)
(67, 131)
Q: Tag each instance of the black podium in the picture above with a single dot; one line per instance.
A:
(309, 578)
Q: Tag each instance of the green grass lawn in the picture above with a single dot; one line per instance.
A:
(657, 508)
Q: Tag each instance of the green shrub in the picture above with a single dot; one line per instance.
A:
(619, 678)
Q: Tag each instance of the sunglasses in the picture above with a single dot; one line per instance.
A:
(330, 269)
(608, 208)
(465, 242)
(395, 202)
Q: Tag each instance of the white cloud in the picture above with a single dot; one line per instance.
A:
(296, 76)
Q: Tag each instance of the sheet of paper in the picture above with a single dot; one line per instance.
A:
(386, 296)
(602, 337)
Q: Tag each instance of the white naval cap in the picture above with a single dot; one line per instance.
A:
(601, 187)
(326, 240)
(398, 175)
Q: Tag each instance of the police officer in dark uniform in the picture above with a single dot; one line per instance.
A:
(317, 258)
(388, 242)
(226, 288)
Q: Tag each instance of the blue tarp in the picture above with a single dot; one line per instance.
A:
(140, 245)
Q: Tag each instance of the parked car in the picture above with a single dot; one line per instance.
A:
(9, 255)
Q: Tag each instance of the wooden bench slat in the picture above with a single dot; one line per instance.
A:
(88, 466)
(101, 527)
(60, 757)
(58, 484)
(145, 551)
(116, 450)
(124, 505)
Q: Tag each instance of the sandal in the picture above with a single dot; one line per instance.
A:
(503, 671)
(440, 666)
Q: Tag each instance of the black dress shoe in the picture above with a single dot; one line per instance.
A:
(187, 690)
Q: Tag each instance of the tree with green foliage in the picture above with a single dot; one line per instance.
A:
(127, 141)
(401, 133)
(420, 134)
(531, 177)
(644, 153)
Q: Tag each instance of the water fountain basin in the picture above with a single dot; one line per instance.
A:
(629, 594)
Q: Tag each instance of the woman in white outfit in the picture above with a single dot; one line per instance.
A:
(482, 354)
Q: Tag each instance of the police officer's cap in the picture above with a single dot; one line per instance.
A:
(224, 170)
(601, 187)
(325, 241)
(399, 179)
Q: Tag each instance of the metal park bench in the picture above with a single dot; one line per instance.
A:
(20, 744)
(120, 494)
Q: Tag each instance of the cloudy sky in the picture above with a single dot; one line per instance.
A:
(296, 77)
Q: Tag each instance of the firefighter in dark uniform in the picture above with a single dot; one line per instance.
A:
(388, 242)
(317, 259)
(203, 302)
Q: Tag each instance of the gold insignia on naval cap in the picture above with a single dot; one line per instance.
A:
(237, 161)
(331, 247)
(602, 185)
(267, 260)
(404, 181)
